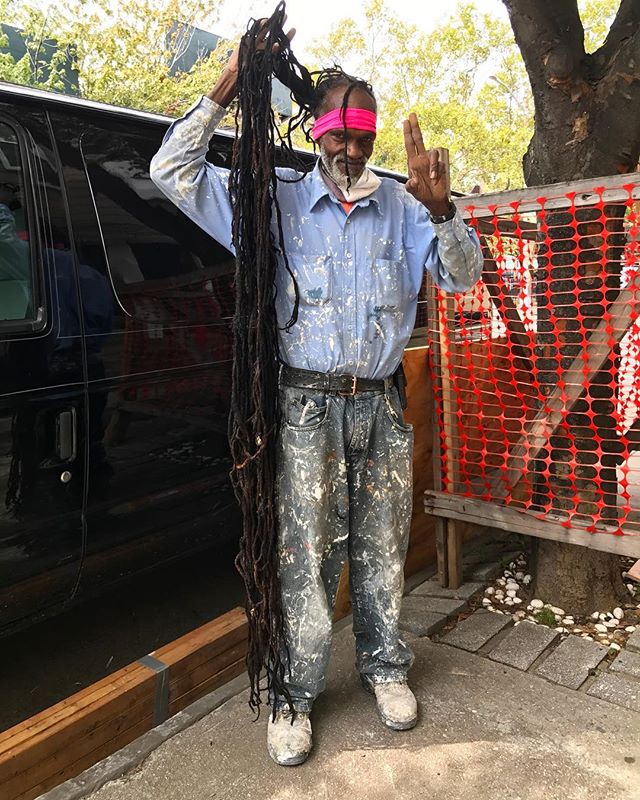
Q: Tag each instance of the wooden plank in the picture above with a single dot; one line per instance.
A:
(580, 374)
(442, 552)
(214, 682)
(419, 413)
(514, 520)
(203, 671)
(98, 717)
(204, 642)
(454, 554)
(86, 761)
(80, 736)
(496, 203)
(449, 409)
(90, 701)
(436, 357)
(124, 737)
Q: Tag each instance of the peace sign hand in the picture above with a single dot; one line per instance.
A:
(427, 172)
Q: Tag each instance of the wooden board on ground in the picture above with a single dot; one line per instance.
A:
(61, 741)
(514, 520)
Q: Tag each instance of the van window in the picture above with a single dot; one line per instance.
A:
(16, 269)
(164, 269)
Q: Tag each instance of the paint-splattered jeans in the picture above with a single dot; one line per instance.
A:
(344, 489)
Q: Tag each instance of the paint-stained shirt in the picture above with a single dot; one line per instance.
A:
(358, 274)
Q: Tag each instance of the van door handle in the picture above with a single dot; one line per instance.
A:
(66, 435)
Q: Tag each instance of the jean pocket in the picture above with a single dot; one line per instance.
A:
(304, 410)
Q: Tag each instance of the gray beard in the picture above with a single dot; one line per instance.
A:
(330, 166)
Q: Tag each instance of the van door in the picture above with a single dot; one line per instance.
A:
(160, 373)
(42, 381)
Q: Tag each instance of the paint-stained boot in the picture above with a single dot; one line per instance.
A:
(289, 744)
(397, 704)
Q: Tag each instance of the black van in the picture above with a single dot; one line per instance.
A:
(115, 356)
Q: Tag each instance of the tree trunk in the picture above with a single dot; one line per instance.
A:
(578, 580)
(583, 128)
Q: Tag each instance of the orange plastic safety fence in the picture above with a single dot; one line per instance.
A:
(537, 368)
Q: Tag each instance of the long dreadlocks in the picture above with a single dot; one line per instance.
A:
(264, 52)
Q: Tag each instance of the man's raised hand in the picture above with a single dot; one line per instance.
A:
(226, 89)
(427, 172)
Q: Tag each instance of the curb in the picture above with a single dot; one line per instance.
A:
(132, 756)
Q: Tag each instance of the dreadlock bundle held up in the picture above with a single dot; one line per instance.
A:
(253, 425)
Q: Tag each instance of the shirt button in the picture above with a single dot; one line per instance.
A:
(348, 291)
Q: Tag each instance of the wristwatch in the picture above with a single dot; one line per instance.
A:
(444, 217)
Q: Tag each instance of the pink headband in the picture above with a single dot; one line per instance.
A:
(356, 118)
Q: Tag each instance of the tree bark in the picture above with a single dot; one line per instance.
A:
(584, 127)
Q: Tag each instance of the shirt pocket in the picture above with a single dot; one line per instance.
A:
(313, 274)
(388, 284)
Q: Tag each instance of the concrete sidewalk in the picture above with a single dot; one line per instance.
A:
(486, 731)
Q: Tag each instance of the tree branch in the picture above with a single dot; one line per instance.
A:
(624, 27)
(551, 42)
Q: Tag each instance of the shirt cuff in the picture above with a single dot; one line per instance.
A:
(208, 113)
(454, 228)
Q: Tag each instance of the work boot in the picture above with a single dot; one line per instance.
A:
(289, 744)
(397, 704)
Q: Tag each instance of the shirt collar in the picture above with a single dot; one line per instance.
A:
(319, 189)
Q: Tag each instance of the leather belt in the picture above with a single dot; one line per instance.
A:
(329, 382)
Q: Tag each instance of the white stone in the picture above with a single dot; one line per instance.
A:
(486, 601)
(587, 637)
(618, 613)
(512, 587)
(507, 573)
(489, 590)
(508, 601)
(512, 593)
(611, 623)
(602, 616)
(512, 565)
(535, 603)
(519, 576)
(517, 600)
(630, 588)
(601, 628)
(527, 580)
(520, 614)
(558, 617)
(595, 615)
(557, 610)
(630, 628)
(501, 581)
(568, 621)
(499, 595)
(614, 646)
(529, 607)
(517, 622)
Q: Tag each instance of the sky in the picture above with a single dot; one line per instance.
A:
(313, 20)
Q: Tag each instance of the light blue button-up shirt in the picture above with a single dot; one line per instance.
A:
(358, 274)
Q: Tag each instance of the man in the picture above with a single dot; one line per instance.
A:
(358, 246)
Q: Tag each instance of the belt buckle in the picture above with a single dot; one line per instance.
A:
(354, 388)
